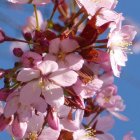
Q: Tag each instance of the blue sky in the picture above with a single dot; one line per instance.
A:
(128, 84)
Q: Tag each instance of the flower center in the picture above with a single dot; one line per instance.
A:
(61, 55)
(32, 136)
(91, 133)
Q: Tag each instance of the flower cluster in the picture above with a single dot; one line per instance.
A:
(64, 81)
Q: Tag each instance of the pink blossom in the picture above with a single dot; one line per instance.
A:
(119, 40)
(30, 59)
(30, 1)
(108, 98)
(62, 52)
(106, 15)
(103, 125)
(92, 6)
(49, 80)
(13, 106)
(89, 89)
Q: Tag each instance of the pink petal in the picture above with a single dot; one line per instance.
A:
(28, 74)
(69, 125)
(24, 112)
(54, 46)
(114, 65)
(53, 95)
(30, 93)
(53, 120)
(69, 45)
(50, 57)
(40, 105)
(105, 123)
(19, 128)
(49, 134)
(75, 61)
(47, 67)
(11, 106)
(105, 137)
(120, 57)
(119, 116)
(36, 122)
(64, 77)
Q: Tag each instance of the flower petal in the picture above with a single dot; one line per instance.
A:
(75, 61)
(30, 93)
(64, 78)
(47, 67)
(27, 74)
(11, 106)
(40, 105)
(49, 134)
(19, 128)
(53, 95)
(68, 45)
(54, 46)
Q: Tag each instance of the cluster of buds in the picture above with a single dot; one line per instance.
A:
(64, 81)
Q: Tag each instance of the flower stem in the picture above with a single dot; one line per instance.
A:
(36, 16)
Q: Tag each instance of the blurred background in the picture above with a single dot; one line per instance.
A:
(13, 17)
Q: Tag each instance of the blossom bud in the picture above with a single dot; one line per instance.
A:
(27, 36)
(53, 120)
(17, 52)
(4, 122)
(4, 94)
(19, 128)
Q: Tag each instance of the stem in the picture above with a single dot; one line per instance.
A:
(101, 46)
(102, 41)
(76, 26)
(62, 11)
(101, 110)
(19, 40)
(36, 16)
(54, 10)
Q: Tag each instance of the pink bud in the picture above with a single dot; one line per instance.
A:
(4, 122)
(17, 52)
(19, 128)
(53, 120)
(4, 94)
(27, 36)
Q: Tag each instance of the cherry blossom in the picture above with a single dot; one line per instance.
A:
(49, 82)
(62, 85)
(92, 6)
(63, 53)
(118, 42)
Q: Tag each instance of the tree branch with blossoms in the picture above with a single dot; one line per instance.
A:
(62, 87)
